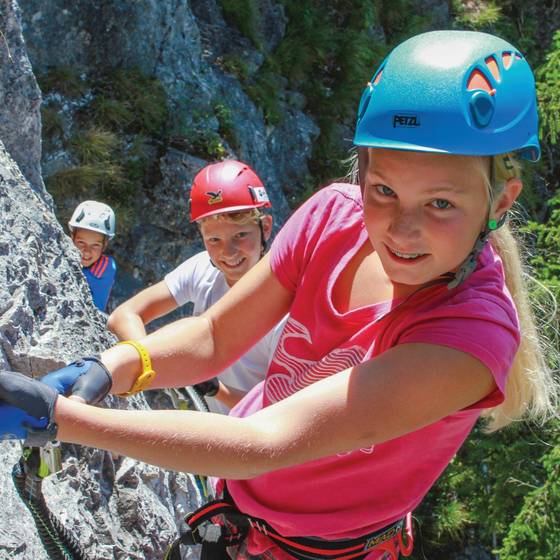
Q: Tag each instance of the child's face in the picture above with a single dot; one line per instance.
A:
(90, 244)
(423, 212)
(234, 248)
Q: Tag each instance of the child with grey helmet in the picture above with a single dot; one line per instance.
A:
(408, 321)
(92, 226)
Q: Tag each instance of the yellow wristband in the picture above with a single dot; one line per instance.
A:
(144, 380)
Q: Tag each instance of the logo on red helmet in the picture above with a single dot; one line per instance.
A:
(258, 194)
(214, 197)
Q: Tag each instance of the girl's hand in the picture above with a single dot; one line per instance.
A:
(87, 379)
(26, 409)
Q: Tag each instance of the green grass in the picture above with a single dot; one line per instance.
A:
(233, 64)
(243, 14)
(111, 113)
(128, 101)
(226, 128)
(94, 145)
(51, 121)
(65, 80)
(83, 179)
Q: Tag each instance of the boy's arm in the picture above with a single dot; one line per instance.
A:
(129, 319)
(194, 349)
(229, 396)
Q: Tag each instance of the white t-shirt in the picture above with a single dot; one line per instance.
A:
(197, 280)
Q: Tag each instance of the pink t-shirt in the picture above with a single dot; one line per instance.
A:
(351, 494)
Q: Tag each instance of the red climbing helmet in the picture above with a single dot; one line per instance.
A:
(228, 186)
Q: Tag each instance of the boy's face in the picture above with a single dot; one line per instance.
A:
(90, 244)
(234, 248)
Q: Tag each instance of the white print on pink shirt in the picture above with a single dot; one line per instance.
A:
(301, 372)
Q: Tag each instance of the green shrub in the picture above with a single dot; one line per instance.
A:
(64, 80)
(482, 490)
(94, 145)
(263, 91)
(51, 122)
(82, 180)
(235, 65)
(548, 89)
(535, 533)
(225, 121)
(243, 14)
(480, 15)
(126, 100)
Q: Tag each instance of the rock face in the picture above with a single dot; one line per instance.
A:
(115, 507)
(20, 99)
(183, 44)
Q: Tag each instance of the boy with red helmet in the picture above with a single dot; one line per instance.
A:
(225, 201)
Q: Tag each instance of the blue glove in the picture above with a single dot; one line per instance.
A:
(26, 409)
(14, 422)
(87, 378)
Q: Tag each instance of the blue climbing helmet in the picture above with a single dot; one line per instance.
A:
(456, 92)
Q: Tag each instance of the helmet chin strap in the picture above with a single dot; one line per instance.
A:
(469, 264)
(263, 240)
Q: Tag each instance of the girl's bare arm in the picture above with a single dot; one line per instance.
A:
(406, 388)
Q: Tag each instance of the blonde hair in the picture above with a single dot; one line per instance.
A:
(241, 218)
(531, 390)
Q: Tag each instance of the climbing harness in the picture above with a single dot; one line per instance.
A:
(28, 473)
(219, 524)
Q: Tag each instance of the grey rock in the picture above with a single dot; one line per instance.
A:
(115, 507)
(180, 43)
(20, 100)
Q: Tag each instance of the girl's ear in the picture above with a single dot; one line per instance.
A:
(507, 197)
(266, 222)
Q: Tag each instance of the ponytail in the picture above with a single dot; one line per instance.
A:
(531, 389)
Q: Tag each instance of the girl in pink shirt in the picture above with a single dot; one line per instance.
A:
(408, 320)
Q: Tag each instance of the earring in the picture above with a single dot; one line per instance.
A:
(493, 224)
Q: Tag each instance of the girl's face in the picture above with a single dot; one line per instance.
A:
(423, 212)
(90, 244)
(234, 248)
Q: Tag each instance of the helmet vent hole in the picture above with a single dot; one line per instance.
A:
(377, 77)
(477, 80)
(493, 67)
(507, 59)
